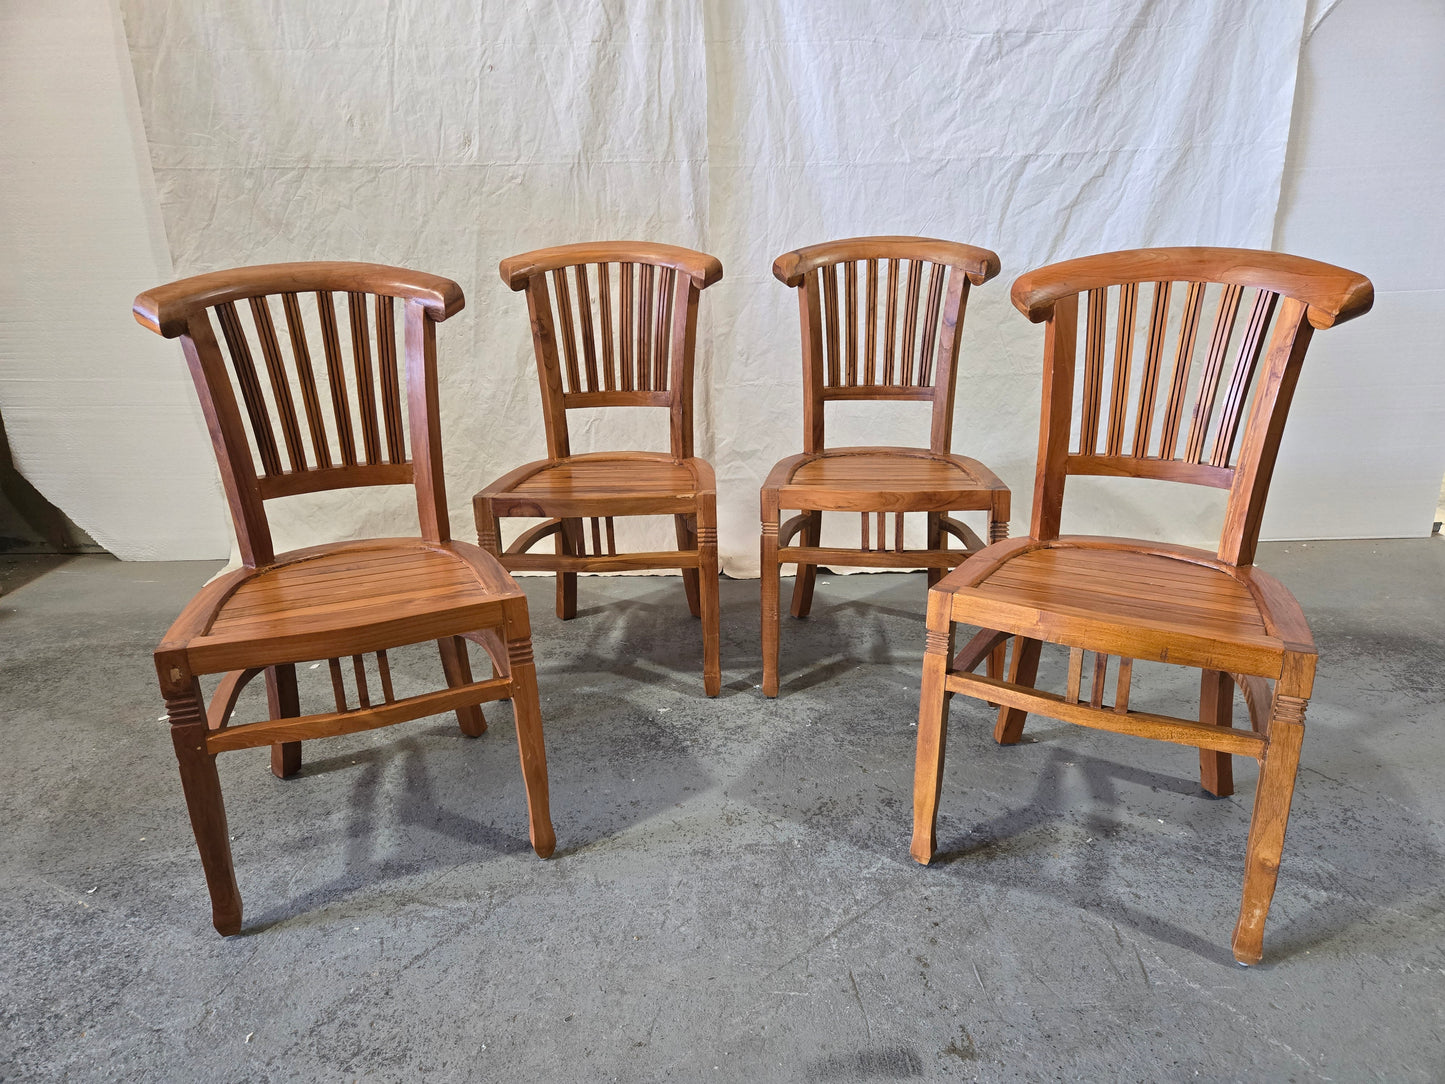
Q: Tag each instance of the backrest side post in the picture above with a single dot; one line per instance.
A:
(424, 412)
(228, 438)
(549, 374)
(946, 380)
(683, 334)
(1260, 446)
(1060, 335)
(810, 312)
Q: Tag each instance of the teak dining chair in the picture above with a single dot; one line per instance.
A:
(1219, 425)
(361, 410)
(890, 332)
(626, 315)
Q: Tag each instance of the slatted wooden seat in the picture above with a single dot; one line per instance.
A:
(613, 324)
(1175, 395)
(880, 319)
(302, 424)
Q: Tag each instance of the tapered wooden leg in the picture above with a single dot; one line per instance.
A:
(458, 670)
(1216, 707)
(807, 575)
(1272, 799)
(932, 726)
(708, 591)
(569, 542)
(1023, 670)
(527, 709)
(770, 591)
(686, 527)
(994, 664)
(202, 787)
(284, 702)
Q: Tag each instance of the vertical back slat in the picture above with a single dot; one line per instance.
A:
(644, 327)
(336, 376)
(1244, 366)
(626, 316)
(589, 339)
(662, 337)
(310, 399)
(1153, 357)
(280, 383)
(569, 334)
(604, 300)
(1209, 380)
(1123, 355)
(890, 329)
(390, 377)
(910, 323)
(936, 276)
(1093, 389)
(830, 322)
(250, 385)
(870, 349)
(365, 391)
(850, 295)
(1183, 361)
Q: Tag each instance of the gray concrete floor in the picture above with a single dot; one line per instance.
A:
(732, 897)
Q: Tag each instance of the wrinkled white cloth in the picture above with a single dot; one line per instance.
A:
(448, 135)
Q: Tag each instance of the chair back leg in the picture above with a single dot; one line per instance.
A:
(284, 702)
(1216, 707)
(807, 575)
(458, 670)
(686, 528)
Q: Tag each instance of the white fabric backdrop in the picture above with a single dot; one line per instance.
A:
(445, 137)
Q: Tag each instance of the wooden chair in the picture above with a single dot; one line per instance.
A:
(889, 333)
(626, 314)
(349, 598)
(1142, 600)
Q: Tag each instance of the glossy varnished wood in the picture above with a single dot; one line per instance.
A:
(1195, 392)
(276, 434)
(880, 320)
(614, 324)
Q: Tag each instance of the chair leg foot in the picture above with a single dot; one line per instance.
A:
(1273, 795)
(202, 787)
(527, 711)
(1023, 670)
(285, 759)
(932, 729)
(458, 670)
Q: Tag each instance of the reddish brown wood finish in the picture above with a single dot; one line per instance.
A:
(880, 321)
(1142, 600)
(614, 323)
(343, 599)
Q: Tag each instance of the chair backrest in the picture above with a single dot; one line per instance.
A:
(358, 410)
(626, 315)
(1205, 400)
(889, 330)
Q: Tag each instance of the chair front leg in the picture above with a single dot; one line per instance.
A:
(527, 711)
(770, 591)
(1216, 708)
(686, 527)
(202, 786)
(458, 670)
(1273, 795)
(1023, 670)
(284, 702)
(807, 575)
(932, 726)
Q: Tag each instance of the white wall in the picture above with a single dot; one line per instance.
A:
(1364, 187)
(100, 413)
